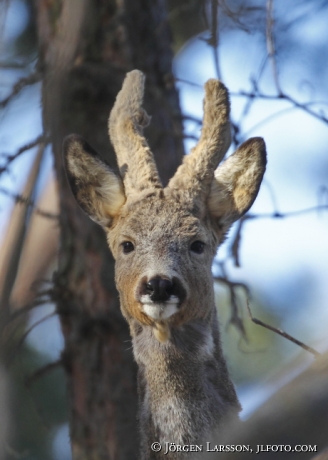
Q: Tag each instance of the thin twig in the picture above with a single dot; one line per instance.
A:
(234, 284)
(270, 45)
(42, 371)
(30, 203)
(27, 308)
(273, 197)
(282, 215)
(266, 120)
(187, 82)
(282, 96)
(191, 136)
(27, 332)
(13, 65)
(236, 243)
(9, 158)
(281, 332)
(19, 85)
(235, 318)
(239, 13)
(214, 40)
(235, 246)
(34, 325)
(196, 120)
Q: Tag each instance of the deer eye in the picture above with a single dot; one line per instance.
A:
(127, 247)
(197, 247)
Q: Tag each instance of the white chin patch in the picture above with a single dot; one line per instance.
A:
(159, 310)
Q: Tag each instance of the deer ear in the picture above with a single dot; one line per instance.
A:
(237, 181)
(97, 189)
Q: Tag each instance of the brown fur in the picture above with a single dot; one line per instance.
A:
(184, 385)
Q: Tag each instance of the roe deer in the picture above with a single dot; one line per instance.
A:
(164, 241)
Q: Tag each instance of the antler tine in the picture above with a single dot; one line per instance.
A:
(126, 122)
(197, 171)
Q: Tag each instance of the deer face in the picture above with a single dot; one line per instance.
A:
(164, 240)
(163, 255)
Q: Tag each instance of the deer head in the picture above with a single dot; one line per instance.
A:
(164, 239)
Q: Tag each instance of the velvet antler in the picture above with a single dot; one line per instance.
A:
(197, 171)
(126, 123)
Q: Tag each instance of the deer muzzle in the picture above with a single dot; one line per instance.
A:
(161, 296)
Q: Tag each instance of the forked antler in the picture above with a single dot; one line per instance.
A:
(197, 171)
(126, 122)
(196, 175)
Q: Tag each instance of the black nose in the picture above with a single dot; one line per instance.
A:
(159, 289)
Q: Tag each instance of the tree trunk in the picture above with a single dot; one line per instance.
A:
(85, 49)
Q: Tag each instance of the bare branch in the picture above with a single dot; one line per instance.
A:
(235, 318)
(24, 336)
(266, 120)
(214, 40)
(9, 158)
(283, 96)
(281, 332)
(235, 246)
(19, 85)
(29, 203)
(240, 12)
(187, 82)
(280, 215)
(13, 65)
(42, 371)
(236, 242)
(27, 308)
(270, 45)
(196, 120)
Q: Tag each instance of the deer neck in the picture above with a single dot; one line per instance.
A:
(184, 387)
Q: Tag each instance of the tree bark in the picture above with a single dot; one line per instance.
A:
(85, 50)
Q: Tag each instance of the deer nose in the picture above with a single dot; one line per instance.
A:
(159, 289)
